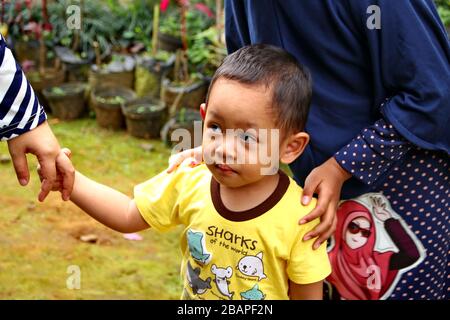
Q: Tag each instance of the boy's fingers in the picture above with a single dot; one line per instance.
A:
(67, 173)
(48, 170)
(171, 168)
(21, 167)
(67, 152)
(191, 161)
(179, 158)
(39, 172)
(46, 187)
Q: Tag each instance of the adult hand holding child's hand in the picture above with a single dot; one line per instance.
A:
(42, 143)
(65, 174)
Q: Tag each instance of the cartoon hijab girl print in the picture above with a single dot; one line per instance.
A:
(361, 268)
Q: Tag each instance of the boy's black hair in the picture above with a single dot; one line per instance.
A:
(278, 70)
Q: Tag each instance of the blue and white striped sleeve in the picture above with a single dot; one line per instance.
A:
(20, 110)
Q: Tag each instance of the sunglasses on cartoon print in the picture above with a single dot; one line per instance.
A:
(354, 229)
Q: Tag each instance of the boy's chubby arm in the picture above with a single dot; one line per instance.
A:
(106, 205)
(310, 291)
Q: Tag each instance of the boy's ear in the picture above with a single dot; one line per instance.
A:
(294, 147)
(203, 110)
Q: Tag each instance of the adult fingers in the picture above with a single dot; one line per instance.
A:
(20, 163)
(322, 211)
(328, 232)
(311, 184)
(326, 213)
(321, 206)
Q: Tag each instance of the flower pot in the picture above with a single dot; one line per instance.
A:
(149, 74)
(51, 77)
(183, 96)
(144, 117)
(116, 73)
(107, 103)
(27, 50)
(77, 67)
(67, 101)
(183, 119)
(169, 43)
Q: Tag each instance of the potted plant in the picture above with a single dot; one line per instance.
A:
(183, 119)
(144, 117)
(107, 102)
(131, 25)
(188, 92)
(45, 76)
(22, 21)
(169, 35)
(75, 48)
(207, 52)
(186, 87)
(153, 65)
(150, 70)
(67, 101)
(119, 71)
(179, 21)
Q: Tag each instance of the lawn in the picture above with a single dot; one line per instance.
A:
(40, 241)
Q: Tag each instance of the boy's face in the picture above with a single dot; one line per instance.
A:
(240, 140)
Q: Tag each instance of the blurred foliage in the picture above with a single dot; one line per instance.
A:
(206, 52)
(443, 7)
(118, 25)
(196, 22)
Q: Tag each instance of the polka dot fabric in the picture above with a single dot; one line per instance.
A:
(416, 182)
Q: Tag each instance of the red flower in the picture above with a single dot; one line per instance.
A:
(164, 4)
(47, 26)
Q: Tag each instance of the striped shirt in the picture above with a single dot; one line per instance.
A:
(20, 110)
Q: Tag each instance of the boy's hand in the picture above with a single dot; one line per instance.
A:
(325, 180)
(195, 157)
(65, 174)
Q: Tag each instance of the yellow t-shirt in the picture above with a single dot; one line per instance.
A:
(234, 255)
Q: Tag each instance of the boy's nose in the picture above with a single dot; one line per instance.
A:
(226, 150)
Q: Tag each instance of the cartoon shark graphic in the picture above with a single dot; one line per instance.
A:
(197, 247)
(198, 285)
(252, 266)
(221, 280)
(253, 294)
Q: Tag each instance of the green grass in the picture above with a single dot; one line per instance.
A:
(39, 241)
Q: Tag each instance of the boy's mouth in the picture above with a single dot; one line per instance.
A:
(225, 169)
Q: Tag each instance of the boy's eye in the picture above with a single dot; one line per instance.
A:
(248, 138)
(215, 128)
